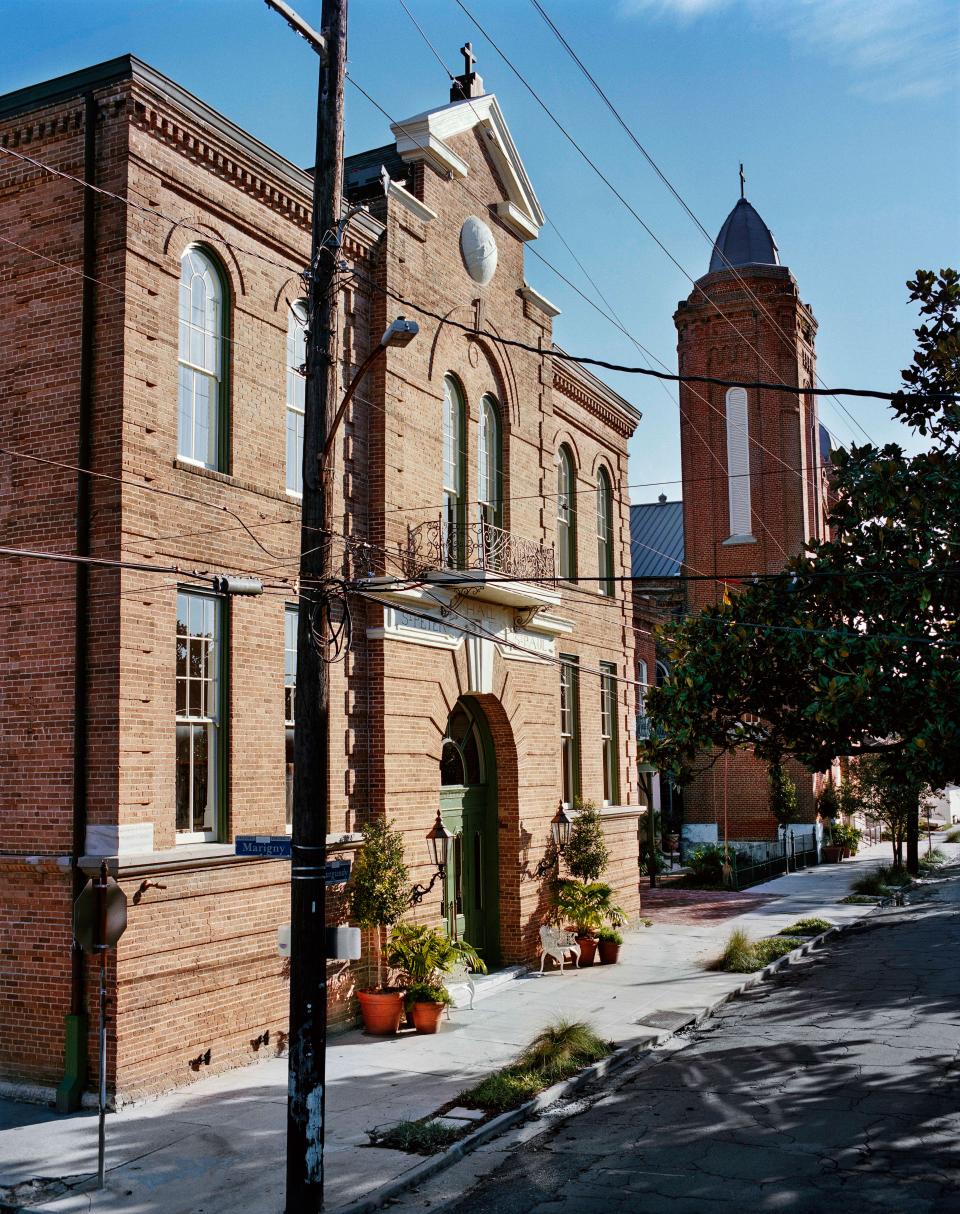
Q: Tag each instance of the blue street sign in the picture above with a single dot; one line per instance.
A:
(280, 847)
(338, 871)
(273, 847)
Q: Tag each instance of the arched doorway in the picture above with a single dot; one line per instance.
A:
(468, 805)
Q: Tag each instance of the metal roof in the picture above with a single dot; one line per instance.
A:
(744, 240)
(656, 539)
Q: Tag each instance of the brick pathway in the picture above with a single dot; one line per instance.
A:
(671, 905)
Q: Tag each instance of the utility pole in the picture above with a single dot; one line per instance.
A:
(308, 960)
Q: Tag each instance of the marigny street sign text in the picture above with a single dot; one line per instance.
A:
(280, 847)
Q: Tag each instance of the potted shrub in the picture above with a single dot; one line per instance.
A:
(426, 1001)
(609, 941)
(423, 956)
(379, 895)
(832, 852)
(589, 906)
(846, 837)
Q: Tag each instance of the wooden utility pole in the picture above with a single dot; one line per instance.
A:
(308, 960)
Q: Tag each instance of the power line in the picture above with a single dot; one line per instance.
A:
(670, 186)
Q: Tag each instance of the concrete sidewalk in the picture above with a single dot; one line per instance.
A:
(218, 1145)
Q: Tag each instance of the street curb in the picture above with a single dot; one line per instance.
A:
(597, 1070)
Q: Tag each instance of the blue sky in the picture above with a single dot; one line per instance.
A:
(846, 114)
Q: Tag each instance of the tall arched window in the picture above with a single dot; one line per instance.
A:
(604, 532)
(296, 394)
(489, 475)
(201, 426)
(454, 472)
(738, 464)
(566, 514)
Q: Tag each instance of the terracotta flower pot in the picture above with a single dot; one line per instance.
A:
(381, 1011)
(588, 949)
(426, 1016)
(831, 853)
(609, 951)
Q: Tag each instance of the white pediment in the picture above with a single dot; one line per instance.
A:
(424, 137)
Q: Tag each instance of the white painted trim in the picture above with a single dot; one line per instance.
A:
(406, 199)
(732, 540)
(125, 839)
(422, 138)
(539, 301)
(516, 220)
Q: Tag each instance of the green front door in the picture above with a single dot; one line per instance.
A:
(468, 808)
(464, 812)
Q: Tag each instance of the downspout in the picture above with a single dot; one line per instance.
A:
(74, 1081)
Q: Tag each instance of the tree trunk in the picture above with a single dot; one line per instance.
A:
(913, 835)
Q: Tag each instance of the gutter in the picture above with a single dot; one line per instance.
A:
(74, 1081)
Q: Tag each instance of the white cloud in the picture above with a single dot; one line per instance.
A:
(891, 49)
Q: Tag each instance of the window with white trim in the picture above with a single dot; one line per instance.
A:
(296, 394)
(570, 727)
(454, 472)
(199, 713)
(290, 620)
(604, 533)
(738, 464)
(566, 514)
(609, 734)
(200, 410)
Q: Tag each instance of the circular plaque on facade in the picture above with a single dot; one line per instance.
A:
(479, 250)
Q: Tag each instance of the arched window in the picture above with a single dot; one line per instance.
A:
(566, 514)
(489, 474)
(201, 426)
(604, 532)
(461, 759)
(296, 394)
(454, 472)
(738, 464)
(642, 680)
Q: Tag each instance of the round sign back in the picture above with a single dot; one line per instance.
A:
(479, 250)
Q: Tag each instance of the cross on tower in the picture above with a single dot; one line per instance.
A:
(469, 84)
(743, 180)
(469, 59)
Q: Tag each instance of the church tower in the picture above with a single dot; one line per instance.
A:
(751, 467)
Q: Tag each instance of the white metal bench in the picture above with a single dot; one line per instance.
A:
(556, 943)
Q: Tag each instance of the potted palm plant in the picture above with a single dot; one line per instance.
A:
(588, 906)
(379, 895)
(424, 956)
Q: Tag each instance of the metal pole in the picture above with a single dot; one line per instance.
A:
(308, 962)
(101, 946)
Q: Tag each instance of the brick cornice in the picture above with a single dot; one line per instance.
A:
(568, 387)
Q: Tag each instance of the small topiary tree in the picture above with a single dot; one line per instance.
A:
(586, 854)
(828, 803)
(783, 794)
(379, 883)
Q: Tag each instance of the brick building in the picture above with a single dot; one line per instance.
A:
(754, 472)
(152, 333)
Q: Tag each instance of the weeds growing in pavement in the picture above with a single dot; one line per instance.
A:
(932, 860)
(745, 956)
(953, 836)
(860, 900)
(807, 927)
(881, 880)
(418, 1137)
(557, 1052)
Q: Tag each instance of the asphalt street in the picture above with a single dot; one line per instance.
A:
(833, 1087)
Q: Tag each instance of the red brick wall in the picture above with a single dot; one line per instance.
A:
(733, 336)
(198, 967)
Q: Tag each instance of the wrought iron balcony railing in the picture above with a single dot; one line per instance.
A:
(438, 544)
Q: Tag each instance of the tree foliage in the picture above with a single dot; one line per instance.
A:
(587, 854)
(854, 649)
(783, 795)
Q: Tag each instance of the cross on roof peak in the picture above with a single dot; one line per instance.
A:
(743, 180)
(469, 59)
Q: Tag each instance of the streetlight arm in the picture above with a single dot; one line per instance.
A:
(348, 396)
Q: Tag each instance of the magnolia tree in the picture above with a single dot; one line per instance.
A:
(854, 649)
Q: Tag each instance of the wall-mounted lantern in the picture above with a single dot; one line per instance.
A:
(438, 837)
(560, 825)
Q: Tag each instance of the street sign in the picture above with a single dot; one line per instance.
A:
(338, 871)
(280, 847)
(99, 915)
(272, 847)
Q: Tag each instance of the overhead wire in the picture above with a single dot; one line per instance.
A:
(680, 199)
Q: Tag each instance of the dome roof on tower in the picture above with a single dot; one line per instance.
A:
(744, 240)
